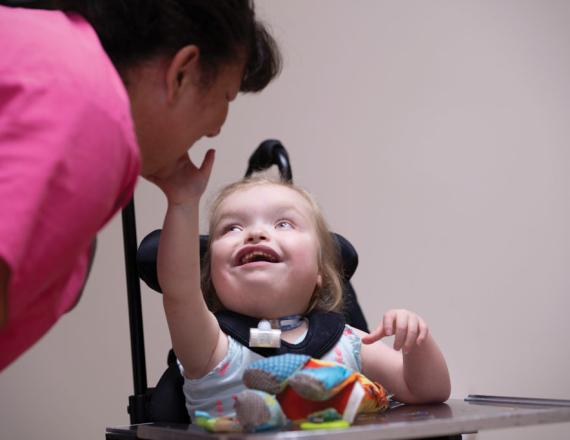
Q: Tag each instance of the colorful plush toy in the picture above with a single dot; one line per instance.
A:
(315, 394)
(306, 389)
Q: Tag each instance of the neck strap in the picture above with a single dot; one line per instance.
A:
(325, 329)
(289, 322)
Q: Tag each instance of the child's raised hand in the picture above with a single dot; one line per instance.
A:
(184, 181)
(409, 329)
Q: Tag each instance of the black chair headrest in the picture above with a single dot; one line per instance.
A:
(148, 250)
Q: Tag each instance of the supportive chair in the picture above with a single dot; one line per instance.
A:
(165, 402)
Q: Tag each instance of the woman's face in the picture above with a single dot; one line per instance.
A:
(170, 117)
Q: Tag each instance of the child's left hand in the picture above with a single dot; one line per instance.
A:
(409, 329)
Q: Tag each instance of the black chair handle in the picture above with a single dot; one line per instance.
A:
(270, 152)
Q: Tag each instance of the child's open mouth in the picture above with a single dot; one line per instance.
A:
(255, 254)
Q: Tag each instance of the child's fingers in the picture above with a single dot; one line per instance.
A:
(208, 163)
(401, 330)
(389, 322)
(424, 331)
(386, 328)
(412, 333)
(374, 335)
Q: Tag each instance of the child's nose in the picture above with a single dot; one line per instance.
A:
(256, 234)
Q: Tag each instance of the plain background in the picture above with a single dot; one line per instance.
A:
(435, 137)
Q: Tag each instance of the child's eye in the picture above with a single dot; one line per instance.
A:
(232, 228)
(284, 224)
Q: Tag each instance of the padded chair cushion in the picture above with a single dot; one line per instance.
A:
(146, 258)
(166, 402)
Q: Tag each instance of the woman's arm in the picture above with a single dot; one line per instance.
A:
(414, 370)
(196, 337)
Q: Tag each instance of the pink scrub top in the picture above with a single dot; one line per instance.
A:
(68, 162)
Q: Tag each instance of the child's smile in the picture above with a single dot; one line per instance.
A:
(254, 256)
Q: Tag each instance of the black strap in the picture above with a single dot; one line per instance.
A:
(325, 330)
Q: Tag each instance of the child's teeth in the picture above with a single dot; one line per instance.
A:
(249, 257)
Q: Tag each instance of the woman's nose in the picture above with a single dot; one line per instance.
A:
(214, 133)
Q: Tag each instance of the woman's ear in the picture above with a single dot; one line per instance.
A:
(183, 70)
(319, 281)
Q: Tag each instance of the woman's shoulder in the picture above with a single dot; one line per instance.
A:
(51, 51)
(31, 37)
(56, 78)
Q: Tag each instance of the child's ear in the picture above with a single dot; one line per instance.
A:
(319, 281)
(183, 70)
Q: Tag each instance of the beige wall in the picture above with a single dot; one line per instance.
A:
(435, 136)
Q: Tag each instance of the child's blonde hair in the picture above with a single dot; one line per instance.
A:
(328, 295)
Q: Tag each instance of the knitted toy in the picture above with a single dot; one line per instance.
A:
(326, 394)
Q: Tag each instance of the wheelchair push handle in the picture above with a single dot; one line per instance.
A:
(270, 152)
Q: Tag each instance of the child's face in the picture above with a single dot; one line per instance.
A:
(264, 252)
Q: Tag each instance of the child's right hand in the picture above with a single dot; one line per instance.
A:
(185, 182)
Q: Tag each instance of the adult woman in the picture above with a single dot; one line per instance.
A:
(91, 95)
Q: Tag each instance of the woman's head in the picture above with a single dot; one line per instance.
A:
(270, 252)
(182, 61)
(226, 31)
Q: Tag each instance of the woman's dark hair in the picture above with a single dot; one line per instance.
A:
(225, 31)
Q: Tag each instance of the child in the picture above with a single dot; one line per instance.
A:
(270, 256)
